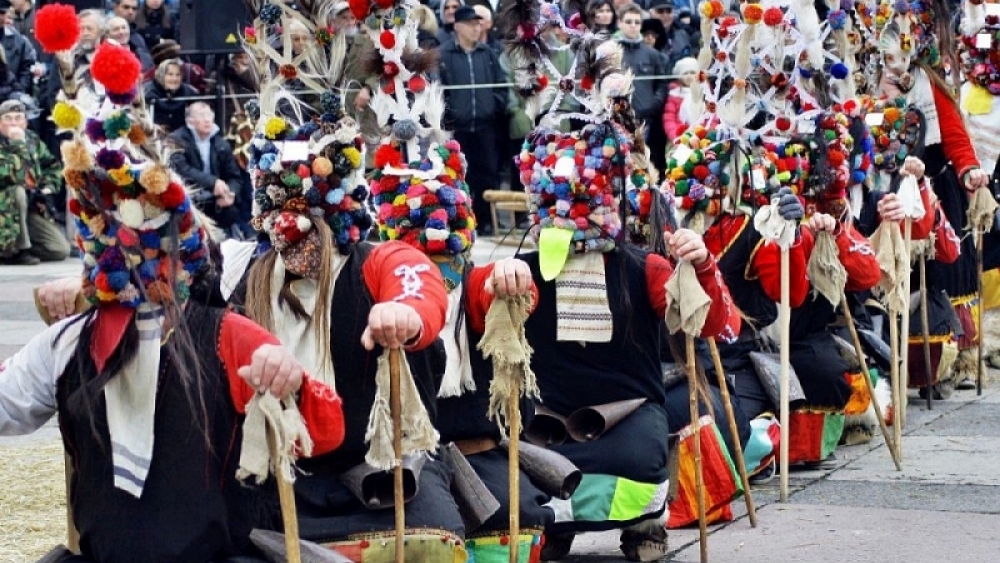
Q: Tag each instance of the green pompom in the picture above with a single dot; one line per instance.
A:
(681, 188)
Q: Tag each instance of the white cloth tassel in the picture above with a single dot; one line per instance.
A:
(419, 435)
(458, 369)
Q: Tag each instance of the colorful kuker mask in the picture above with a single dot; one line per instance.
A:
(980, 56)
(426, 204)
(136, 226)
(897, 131)
(698, 170)
(574, 181)
(308, 174)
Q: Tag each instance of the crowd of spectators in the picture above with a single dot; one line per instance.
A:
(484, 114)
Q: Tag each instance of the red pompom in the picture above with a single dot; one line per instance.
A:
(543, 81)
(773, 16)
(75, 207)
(390, 69)
(417, 84)
(586, 82)
(387, 155)
(116, 68)
(387, 39)
(360, 8)
(57, 27)
(173, 197)
(783, 123)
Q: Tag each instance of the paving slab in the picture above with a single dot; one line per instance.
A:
(903, 496)
(950, 460)
(973, 419)
(821, 534)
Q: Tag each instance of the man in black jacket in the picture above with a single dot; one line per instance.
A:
(650, 94)
(19, 50)
(206, 162)
(472, 113)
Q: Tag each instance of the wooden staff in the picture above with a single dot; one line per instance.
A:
(396, 409)
(979, 319)
(514, 470)
(925, 328)
(785, 322)
(904, 338)
(741, 465)
(699, 483)
(889, 442)
(286, 496)
(897, 430)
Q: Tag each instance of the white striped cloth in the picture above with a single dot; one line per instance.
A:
(582, 310)
(130, 399)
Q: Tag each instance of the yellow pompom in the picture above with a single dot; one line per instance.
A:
(121, 176)
(275, 126)
(354, 155)
(66, 117)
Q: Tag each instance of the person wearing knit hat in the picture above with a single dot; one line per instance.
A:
(677, 110)
(591, 278)
(341, 302)
(150, 384)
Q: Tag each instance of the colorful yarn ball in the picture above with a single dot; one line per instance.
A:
(66, 116)
(57, 27)
(116, 68)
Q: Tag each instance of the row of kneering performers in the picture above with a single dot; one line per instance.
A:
(179, 499)
(192, 509)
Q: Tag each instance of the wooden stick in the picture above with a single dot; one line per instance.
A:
(699, 483)
(286, 496)
(784, 318)
(979, 319)
(894, 379)
(925, 329)
(396, 409)
(904, 330)
(889, 443)
(514, 471)
(741, 465)
(72, 534)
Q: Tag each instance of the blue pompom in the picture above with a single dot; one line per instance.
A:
(857, 177)
(148, 268)
(436, 224)
(335, 196)
(118, 280)
(839, 71)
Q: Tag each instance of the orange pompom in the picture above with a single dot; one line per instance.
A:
(76, 156)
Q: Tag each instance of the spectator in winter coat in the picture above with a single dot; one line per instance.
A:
(20, 53)
(649, 94)
(206, 162)
(427, 27)
(8, 85)
(676, 113)
(121, 32)
(472, 113)
(446, 15)
(154, 22)
(678, 41)
(162, 96)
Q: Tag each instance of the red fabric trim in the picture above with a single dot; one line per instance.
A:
(954, 138)
(319, 405)
(767, 265)
(109, 329)
(385, 286)
(478, 301)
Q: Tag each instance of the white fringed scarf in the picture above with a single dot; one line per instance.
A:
(458, 368)
(419, 434)
(130, 400)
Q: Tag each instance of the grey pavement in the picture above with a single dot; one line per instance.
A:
(945, 503)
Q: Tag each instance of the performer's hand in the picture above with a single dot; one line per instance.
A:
(273, 368)
(890, 208)
(913, 166)
(391, 325)
(789, 206)
(685, 244)
(976, 178)
(822, 222)
(363, 98)
(511, 276)
(59, 296)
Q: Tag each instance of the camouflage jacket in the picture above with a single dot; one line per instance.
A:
(18, 159)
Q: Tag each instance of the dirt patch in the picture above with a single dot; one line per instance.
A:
(32, 500)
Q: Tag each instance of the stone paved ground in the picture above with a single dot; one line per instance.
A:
(944, 504)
